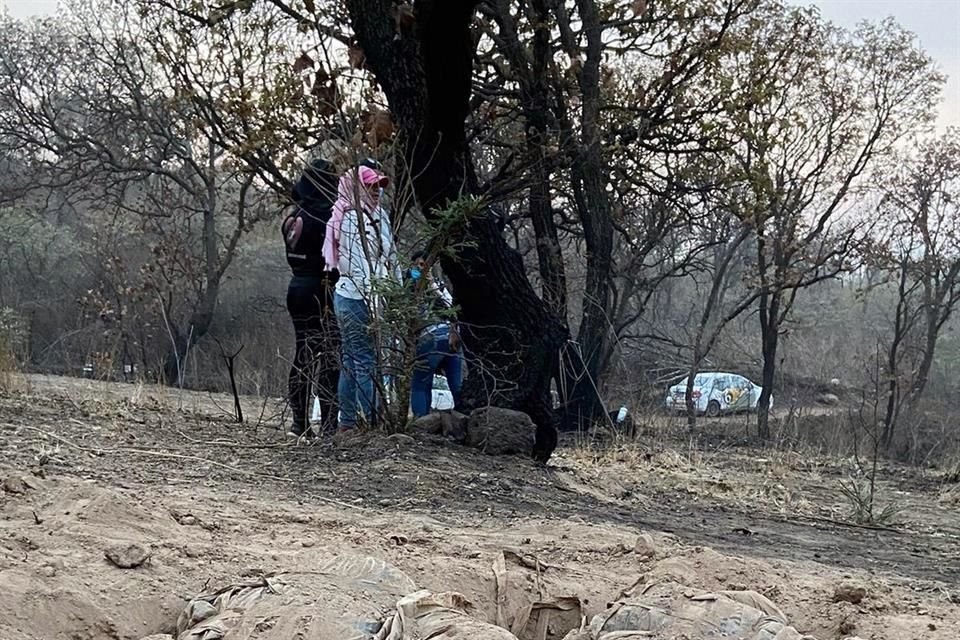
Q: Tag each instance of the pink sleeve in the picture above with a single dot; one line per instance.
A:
(331, 239)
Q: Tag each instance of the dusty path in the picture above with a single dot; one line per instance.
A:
(775, 508)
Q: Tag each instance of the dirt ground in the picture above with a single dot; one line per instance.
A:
(87, 465)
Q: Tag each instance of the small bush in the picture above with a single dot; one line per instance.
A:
(865, 508)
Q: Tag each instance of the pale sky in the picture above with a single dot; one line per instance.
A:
(936, 23)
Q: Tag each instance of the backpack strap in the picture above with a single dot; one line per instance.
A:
(292, 228)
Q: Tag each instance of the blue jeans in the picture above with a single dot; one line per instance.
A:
(356, 391)
(434, 354)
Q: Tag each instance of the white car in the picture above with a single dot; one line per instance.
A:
(716, 392)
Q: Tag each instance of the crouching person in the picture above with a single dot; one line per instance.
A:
(439, 348)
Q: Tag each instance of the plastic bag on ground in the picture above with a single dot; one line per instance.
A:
(667, 610)
(344, 598)
(438, 616)
(534, 600)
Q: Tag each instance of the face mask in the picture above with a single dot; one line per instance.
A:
(415, 273)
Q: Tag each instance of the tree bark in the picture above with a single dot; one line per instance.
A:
(769, 314)
(593, 206)
(202, 316)
(534, 96)
(425, 70)
(770, 338)
(197, 326)
(900, 328)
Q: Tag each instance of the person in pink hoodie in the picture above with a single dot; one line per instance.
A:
(359, 242)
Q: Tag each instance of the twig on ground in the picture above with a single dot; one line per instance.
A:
(236, 445)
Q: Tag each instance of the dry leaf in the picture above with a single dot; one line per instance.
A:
(303, 63)
(356, 56)
(379, 127)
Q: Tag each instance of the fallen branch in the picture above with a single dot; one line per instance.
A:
(236, 445)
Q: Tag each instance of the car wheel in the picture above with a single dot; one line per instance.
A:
(713, 409)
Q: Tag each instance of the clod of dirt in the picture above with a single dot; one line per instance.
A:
(847, 626)
(501, 431)
(645, 547)
(14, 484)
(401, 439)
(128, 556)
(159, 636)
(849, 592)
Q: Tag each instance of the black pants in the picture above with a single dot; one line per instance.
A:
(316, 363)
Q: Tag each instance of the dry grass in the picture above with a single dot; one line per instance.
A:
(950, 496)
(721, 474)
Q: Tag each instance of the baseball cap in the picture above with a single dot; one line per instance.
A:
(370, 176)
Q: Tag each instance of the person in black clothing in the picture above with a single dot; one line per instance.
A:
(310, 299)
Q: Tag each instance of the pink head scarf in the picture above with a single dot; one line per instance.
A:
(349, 198)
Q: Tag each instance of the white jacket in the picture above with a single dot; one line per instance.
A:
(367, 257)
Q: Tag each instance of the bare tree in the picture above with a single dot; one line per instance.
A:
(101, 124)
(924, 258)
(828, 104)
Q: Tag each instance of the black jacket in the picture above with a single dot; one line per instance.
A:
(304, 229)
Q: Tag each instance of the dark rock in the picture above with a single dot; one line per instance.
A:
(501, 431)
(128, 556)
(449, 424)
(849, 592)
(431, 423)
(14, 484)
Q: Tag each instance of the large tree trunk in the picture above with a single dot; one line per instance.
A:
(932, 325)
(184, 338)
(174, 368)
(900, 329)
(770, 338)
(425, 71)
(531, 73)
(593, 205)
